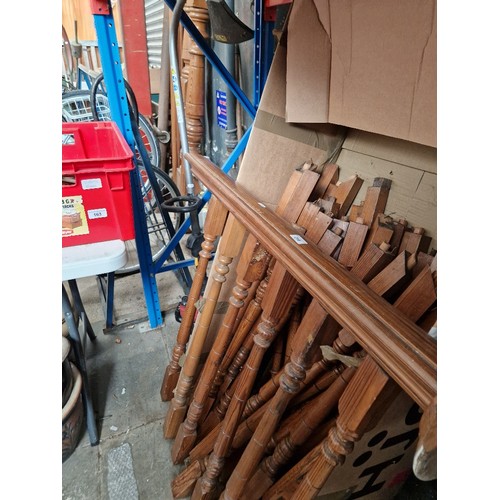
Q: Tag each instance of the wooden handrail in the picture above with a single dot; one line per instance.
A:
(402, 349)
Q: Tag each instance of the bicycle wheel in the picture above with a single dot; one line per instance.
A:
(77, 107)
(157, 229)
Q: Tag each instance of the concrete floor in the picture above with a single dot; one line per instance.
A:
(132, 460)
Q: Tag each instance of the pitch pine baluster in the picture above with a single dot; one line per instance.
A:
(239, 360)
(367, 393)
(292, 328)
(252, 266)
(276, 361)
(214, 224)
(276, 303)
(310, 418)
(229, 247)
(294, 372)
(252, 314)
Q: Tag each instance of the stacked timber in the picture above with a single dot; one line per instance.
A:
(287, 387)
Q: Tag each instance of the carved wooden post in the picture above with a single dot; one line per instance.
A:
(195, 90)
(251, 267)
(369, 391)
(294, 372)
(229, 247)
(214, 224)
(276, 303)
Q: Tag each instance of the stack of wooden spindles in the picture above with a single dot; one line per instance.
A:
(253, 417)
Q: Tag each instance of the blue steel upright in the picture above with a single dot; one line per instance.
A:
(118, 103)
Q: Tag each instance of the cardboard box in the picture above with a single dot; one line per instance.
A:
(363, 64)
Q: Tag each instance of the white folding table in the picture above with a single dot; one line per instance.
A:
(82, 261)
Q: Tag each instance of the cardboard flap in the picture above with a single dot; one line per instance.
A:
(382, 66)
(308, 65)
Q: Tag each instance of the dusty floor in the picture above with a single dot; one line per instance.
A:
(132, 460)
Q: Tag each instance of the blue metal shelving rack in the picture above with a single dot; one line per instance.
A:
(114, 81)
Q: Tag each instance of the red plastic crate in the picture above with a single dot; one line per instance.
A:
(96, 190)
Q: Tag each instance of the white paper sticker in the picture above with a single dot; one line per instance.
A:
(98, 213)
(92, 183)
(298, 239)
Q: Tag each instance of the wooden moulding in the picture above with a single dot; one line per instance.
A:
(402, 349)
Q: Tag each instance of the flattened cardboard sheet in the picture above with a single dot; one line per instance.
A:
(364, 64)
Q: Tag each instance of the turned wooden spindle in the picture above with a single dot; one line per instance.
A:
(320, 383)
(214, 224)
(242, 312)
(184, 483)
(266, 392)
(251, 267)
(247, 427)
(293, 373)
(229, 247)
(248, 321)
(284, 487)
(276, 304)
(294, 323)
(277, 357)
(310, 418)
(343, 344)
(360, 406)
(234, 371)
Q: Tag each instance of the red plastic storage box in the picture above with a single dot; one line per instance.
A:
(96, 190)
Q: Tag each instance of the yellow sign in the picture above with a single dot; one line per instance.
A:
(74, 220)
